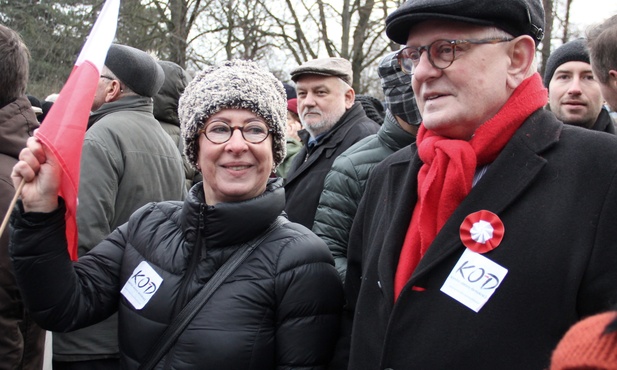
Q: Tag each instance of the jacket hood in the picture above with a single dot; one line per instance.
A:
(166, 101)
(17, 123)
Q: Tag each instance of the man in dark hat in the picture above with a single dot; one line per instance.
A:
(127, 161)
(332, 122)
(574, 93)
(479, 249)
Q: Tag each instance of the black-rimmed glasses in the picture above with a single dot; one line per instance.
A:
(107, 77)
(441, 53)
(221, 132)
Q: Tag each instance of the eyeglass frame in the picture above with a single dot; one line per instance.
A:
(453, 43)
(233, 128)
(113, 79)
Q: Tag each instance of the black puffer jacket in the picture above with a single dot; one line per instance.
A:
(278, 310)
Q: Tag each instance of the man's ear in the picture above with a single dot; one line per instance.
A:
(521, 52)
(612, 78)
(113, 91)
(350, 98)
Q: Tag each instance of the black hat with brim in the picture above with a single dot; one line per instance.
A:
(517, 17)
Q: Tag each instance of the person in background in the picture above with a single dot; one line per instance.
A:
(21, 340)
(602, 44)
(344, 184)
(46, 106)
(292, 139)
(574, 93)
(290, 91)
(467, 251)
(165, 104)
(127, 161)
(372, 107)
(332, 122)
(36, 107)
(280, 309)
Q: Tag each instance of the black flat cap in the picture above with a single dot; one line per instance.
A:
(517, 17)
(136, 69)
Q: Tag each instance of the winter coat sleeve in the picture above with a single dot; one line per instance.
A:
(309, 302)
(337, 208)
(63, 295)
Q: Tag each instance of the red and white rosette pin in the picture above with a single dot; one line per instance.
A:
(482, 231)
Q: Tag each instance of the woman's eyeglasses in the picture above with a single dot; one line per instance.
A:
(221, 132)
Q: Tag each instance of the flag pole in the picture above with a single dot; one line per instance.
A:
(10, 210)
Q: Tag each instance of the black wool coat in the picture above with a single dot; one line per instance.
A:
(305, 179)
(555, 189)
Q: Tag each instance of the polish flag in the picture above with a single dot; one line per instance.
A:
(64, 127)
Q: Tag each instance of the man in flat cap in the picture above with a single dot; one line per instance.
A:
(602, 43)
(574, 93)
(481, 244)
(127, 161)
(332, 123)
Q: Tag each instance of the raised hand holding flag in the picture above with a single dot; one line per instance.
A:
(64, 127)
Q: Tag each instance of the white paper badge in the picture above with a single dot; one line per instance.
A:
(142, 285)
(473, 280)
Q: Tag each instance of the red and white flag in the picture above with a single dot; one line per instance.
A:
(64, 127)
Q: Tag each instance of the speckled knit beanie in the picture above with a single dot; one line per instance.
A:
(236, 84)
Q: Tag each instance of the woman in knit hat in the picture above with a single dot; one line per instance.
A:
(278, 309)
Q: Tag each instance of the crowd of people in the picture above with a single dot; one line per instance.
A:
(228, 220)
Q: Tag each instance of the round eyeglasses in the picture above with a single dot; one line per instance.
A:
(441, 53)
(221, 132)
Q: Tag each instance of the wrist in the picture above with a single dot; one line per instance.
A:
(40, 206)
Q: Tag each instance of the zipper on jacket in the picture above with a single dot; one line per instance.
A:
(183, 297)
(182, 293)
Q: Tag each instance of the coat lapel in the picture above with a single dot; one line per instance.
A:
(400, 209)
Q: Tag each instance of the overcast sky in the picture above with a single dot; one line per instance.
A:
(588, 12)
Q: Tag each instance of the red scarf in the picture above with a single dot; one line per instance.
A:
(446, 177)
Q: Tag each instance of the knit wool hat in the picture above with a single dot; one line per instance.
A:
(136, 69)
(517, 17)
(292, 105)
(235, 84)
(573, 51)
(587, 346)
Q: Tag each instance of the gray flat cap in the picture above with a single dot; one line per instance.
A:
(337, 67)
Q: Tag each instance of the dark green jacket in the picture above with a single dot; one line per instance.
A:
(344, 186)
(293, 148)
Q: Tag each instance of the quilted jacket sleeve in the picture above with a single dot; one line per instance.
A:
(63, 295)
(337, 208)
(309, 297)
